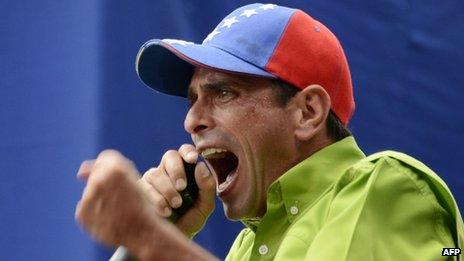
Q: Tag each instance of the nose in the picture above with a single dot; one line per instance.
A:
(198, 118)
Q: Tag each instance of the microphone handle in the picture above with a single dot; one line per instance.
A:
(189, 196)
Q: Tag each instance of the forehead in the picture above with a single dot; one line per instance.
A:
(203, 78)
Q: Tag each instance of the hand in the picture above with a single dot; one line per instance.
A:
(163, 183)
(113, 209)
(116, 211)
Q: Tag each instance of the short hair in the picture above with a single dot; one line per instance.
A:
(285, 92)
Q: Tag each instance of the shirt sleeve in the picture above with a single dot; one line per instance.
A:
(383, 210)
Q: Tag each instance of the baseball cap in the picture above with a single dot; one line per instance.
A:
(263, 40)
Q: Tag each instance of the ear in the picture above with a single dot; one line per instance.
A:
(312, 109)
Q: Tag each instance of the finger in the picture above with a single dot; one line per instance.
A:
(83, 205)
(77, 212)
(85, 169)
(206, 189)
(173, 164)
(112, 161)
(188, 153)
(162, 207)
(160, 181)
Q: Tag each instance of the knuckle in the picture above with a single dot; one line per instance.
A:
(113, 170)
(109, 153)
(110, 164)
(98, 182)
(114, 161)
(186, 147)
(149, 174)
(165, 191)
(130, 163)
(171, 164)
(143, 184)
(171, 193)
(171, 153)
(173, 167)
(153, 177)
(115, 165)
(160, 202)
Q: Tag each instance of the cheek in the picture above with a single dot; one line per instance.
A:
(271, 137)
(256, 115)
(259, 125)
(269, 125)
(266, 136)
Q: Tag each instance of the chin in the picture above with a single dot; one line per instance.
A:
(231, 213)
(239, 212)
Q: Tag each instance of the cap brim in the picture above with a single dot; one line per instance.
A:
(168, 68)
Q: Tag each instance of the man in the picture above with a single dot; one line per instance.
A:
(271, 94)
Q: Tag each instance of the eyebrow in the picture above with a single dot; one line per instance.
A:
(191, 95)
(239, 83)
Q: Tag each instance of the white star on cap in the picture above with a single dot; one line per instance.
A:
(229, 22)
(211, 35)
(268, 6)
(248, 12)
(176, 41)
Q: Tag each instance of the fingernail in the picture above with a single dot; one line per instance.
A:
(167, 211)
(180, 184)
(176, 202)
(205, 171)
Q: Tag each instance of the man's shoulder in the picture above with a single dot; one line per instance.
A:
(387, 173)
(399, 165)
(405, 160)
(399, 184)
(382, 170)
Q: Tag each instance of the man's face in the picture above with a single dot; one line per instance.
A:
(244, 135)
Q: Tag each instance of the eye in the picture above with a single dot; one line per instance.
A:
(225, 94)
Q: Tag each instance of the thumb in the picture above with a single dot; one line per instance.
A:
(85, 169)
(194, 219)
(206, 189)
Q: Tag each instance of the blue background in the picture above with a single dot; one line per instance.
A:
(68, 89)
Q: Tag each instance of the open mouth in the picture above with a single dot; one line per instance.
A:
(223, 163)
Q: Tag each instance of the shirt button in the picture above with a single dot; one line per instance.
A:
(263, 249)
(294, 210)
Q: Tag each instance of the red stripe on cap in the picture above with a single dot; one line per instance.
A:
(308, 53)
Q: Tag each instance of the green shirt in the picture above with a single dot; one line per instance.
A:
(341, 205)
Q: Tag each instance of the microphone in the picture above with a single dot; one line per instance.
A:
(189, 196)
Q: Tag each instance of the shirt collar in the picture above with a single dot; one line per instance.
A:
(304, 183)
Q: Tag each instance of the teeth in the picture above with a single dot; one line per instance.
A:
(229, 178)
(225, 184)
(213, 153)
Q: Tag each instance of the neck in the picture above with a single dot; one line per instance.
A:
(304, 149)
